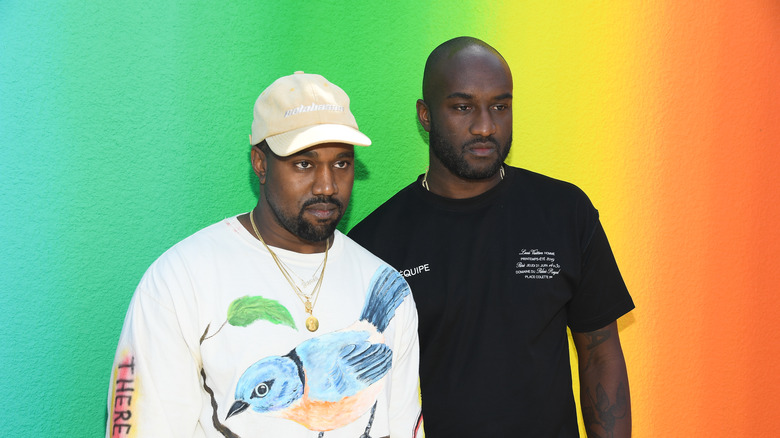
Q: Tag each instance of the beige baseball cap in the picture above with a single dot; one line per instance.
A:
(302, 110)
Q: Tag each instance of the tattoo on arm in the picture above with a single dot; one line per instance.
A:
(600, 412)
(595, 339)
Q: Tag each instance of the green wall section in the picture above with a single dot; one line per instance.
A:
(124, 128)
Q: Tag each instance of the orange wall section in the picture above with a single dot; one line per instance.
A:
(668, 115)
(719, 128)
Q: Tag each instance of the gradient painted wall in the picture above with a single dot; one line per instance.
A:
(123, 129)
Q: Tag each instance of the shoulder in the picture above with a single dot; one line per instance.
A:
(202, 248)
(219, 234)
(367, 263)
(383, 216)
(547, 194)
(523, 179)
(356, 251)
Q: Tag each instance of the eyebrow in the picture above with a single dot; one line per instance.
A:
(459, 95)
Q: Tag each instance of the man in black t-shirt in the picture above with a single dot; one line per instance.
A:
(501, 261)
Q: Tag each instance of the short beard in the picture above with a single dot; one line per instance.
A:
(303, 229)
(452, 157)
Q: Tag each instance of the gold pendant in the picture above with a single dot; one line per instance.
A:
(312, 324)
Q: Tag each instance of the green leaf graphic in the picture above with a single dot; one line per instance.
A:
(246, 310)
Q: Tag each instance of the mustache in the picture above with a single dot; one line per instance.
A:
(482, 140)
(323, 200)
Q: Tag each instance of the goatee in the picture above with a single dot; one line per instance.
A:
(453, 157)
(300, 227)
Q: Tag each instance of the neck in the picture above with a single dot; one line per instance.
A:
(277, 236)
(442, 182)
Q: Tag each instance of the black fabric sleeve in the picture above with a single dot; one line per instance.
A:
(602, 296)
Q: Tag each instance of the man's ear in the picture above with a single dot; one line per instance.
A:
(259, 163)
(424, 115)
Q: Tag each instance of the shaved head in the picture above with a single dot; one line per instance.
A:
(467, 111)
(442, 56)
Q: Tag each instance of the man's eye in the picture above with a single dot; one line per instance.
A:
(462, 107)
(501, 107)
(342, 164)
(303, 165)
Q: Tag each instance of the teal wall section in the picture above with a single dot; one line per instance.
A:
(124, 128)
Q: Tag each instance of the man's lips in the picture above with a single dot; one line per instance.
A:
(482, 149)
(323, 210)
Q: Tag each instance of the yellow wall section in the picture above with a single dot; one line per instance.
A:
(575, 69)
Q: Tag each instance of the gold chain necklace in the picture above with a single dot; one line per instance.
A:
(312, 324)
(425, 177)
(304, 284)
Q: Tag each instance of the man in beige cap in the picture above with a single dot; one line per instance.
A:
(273, 323)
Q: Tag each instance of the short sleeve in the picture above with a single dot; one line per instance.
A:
(601, 296)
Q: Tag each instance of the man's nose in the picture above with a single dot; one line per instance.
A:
(325, 182)
(483, 124)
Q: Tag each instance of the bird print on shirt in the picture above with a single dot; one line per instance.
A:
(333, 379)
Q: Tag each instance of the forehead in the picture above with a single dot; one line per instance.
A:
(473, 71)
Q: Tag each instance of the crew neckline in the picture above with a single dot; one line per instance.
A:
(252, 241)
(464, 204)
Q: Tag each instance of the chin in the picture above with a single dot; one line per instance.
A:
(318, 232)
(481, 172)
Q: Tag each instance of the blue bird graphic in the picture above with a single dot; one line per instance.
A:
(329, 381)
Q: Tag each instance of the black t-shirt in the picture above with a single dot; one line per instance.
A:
(497, 279)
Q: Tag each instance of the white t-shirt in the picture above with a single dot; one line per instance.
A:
(214, 328)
